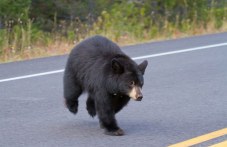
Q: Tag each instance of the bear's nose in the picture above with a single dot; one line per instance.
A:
(139, 97)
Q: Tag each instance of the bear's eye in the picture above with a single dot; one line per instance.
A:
(132, 83)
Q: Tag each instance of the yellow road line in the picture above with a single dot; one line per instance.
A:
(221, 144)
(200, 139)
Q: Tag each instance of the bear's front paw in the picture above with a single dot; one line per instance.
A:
(118, 132)
(91, 111)
(72, 106)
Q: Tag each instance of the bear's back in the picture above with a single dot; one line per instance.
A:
(97, 46)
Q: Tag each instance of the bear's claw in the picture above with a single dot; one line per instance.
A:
(119, 132)
(91, 111)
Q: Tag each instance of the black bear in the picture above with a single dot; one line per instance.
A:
(111, 78)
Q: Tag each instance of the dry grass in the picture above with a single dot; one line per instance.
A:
(63, 47)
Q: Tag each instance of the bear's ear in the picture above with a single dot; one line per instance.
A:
(116, 66)
(142, 66)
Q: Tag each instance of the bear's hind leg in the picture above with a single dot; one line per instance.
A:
(71, 93)
(91, 106)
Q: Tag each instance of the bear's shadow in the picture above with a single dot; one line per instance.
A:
(91, 128)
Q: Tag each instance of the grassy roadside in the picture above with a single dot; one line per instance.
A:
(63, 46)
(124, 23)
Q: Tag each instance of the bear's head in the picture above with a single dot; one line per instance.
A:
(129, 77)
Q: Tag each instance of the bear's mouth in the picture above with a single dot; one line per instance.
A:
(135, 93)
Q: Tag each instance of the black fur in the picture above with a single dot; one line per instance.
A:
(98, 66)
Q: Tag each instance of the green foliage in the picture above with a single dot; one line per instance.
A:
(219, 16)
(14, 9)
(124, 19)
(25, 24)
(13, 17)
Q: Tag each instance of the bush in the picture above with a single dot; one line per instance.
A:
(26, 25)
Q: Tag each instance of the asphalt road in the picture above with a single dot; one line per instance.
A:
(185, 96)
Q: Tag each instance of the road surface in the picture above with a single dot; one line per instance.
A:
(185, 99)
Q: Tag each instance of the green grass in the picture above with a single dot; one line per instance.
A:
(125, 23)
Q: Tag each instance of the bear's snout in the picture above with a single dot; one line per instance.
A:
(139, 97)
(136, 93)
